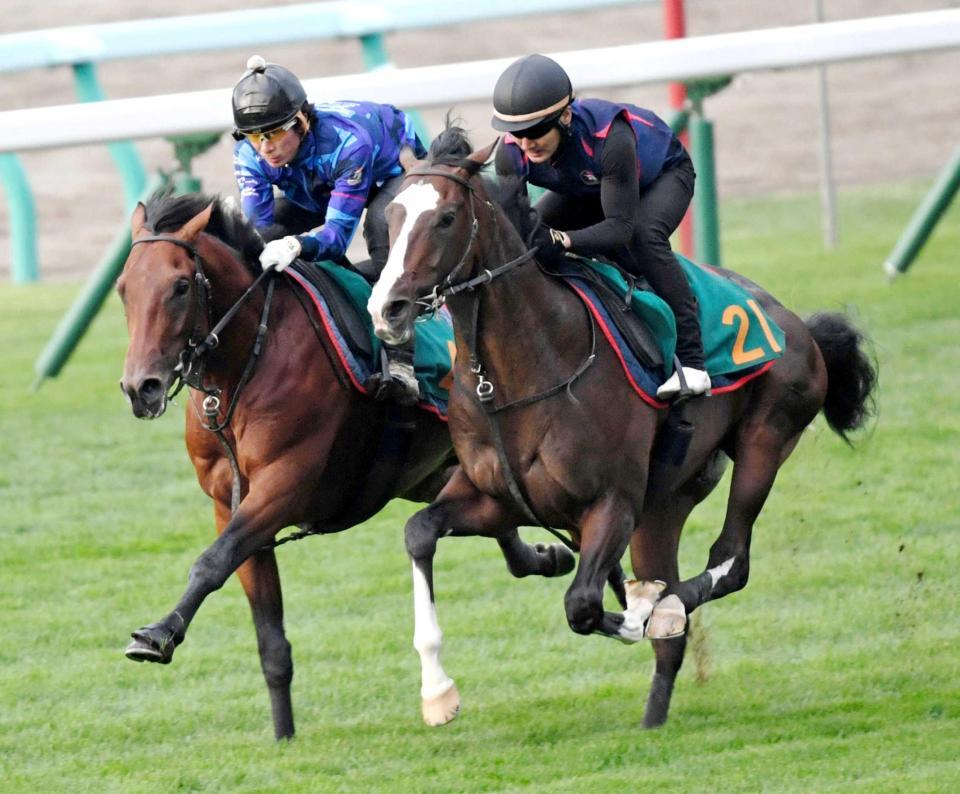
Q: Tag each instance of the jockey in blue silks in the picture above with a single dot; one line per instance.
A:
(619, 182)
(328, 162)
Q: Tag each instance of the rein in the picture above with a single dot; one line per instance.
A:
(190, 369)
(484, 392)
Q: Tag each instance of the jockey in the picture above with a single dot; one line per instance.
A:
(618, 180)
(329, 162)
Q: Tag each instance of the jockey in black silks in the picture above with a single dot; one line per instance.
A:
(619, 184)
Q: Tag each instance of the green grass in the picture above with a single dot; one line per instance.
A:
(836, 669)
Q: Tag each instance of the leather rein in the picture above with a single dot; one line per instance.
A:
(192, 359)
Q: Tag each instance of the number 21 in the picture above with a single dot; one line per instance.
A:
(736, 314)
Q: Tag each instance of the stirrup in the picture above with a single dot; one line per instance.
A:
(685, 382)
(401, 383)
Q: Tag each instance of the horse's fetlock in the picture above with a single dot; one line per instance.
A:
(584, 611)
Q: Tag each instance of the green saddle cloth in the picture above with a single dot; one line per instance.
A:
(737, 333)
(434, 346)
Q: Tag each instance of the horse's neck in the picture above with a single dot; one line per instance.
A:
(229, 279)
(530, 327)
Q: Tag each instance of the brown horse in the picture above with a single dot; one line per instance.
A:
(548, 431)
(293, 443)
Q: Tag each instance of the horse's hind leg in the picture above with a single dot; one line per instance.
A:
(541, 559)
(760, 451)
(261, 582)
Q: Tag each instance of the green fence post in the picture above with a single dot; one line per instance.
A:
(75, 323)
(706, 214)
(679, 121)
(375, 57)
(185, 148)
(925, 218)
(123, 152)
(23, 220)
(706, 225)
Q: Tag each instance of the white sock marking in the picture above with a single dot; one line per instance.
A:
(716, 574)
(427, 638)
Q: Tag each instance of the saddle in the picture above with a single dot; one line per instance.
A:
(619, 306)
(351, 324)
(339, 296)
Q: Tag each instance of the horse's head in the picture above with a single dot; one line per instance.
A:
(434, 236)
(165, 298)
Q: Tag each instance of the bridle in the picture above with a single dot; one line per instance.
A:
(433, 299)
(484, 391)
(192, 359)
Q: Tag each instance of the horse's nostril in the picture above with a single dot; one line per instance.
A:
(151, 390)
(395, 309)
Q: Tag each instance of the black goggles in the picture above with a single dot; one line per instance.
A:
(537, 130)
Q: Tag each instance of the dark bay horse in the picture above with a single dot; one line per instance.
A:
(548, 431)
(297, 443)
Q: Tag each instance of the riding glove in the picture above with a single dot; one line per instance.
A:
(550, 244)
(279, 253)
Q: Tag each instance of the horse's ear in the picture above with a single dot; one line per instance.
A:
(408, 159)
(138, 219)
(482, 155)
(196, 224)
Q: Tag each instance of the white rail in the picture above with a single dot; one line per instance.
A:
(678, 59)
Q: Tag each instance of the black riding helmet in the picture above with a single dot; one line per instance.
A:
(532, 92)
(266, 97)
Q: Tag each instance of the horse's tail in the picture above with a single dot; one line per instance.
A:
(851, 374)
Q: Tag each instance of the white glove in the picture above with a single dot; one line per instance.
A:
(279, 253)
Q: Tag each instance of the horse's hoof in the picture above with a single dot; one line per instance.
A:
(669, 619)
(562, 558)
(443, 708)
(149, 645)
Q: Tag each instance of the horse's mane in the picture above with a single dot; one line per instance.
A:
(166, 212)
(453, 147)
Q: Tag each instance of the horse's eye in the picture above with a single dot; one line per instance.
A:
(446, 219)
(182, 287)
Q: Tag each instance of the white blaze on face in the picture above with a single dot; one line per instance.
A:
(416, 200)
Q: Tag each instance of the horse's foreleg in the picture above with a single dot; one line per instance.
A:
(604, 533)
(254, 525)
(459, 509)
(261, 582)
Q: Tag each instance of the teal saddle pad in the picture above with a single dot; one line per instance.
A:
(741, 341)
(340, 297)
(737, 333)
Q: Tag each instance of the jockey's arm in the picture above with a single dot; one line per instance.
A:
(351, 191)
(619, 196)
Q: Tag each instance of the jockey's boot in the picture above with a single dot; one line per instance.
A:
(401, 384)
(685, 382)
